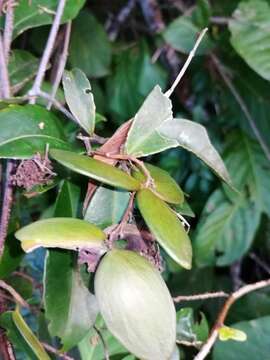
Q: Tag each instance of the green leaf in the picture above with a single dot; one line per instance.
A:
(65, 233)
(182, 34)
(250, 34)
(164, 185)
(89, 38)
(96, 169)
(80, 99)
(130, 294)
(67, 200)
(22, 67)
(70, 308)
(134, 70)
(21, 336)
(187, 329)
(11, 257)
(256, 346)
(193, 137)
(226, 333)
(184, 209)
(249, 167)
(143, 137)
(225, 231)
(35, 13)
(25, 130)
(166, 227)
(107, 207)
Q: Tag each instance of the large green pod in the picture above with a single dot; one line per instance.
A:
(65, 233)
(164, 185)
(136, 304)
(96, 169)
(166, 227)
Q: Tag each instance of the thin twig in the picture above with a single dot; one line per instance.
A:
(242, 104)
(219, 294)
(219, 20)
(206, 348)
(186, 64)
(52, 350)
(47, 52)
(4, 80)
(105, 349)
(260, 262)
(61, 64)
(196, 344)
(9, 19)
(6, 206)
(14, 293)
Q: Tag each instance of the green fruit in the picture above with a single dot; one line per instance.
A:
(166, 227)
(136, 304)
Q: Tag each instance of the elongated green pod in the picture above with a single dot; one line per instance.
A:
(96, 169)
(164, 185)
(65, 233)
(166, 227)
(136, 304)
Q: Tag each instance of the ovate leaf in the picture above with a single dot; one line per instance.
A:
(21, 336)
(143, 137)
(193, 137)
(182, 34)
(226, 333)
(164, 185)
(255, 347)
(65, 233)
(166, 227)
(96, 169)
(41, 12)
(107, 207)
(250, 34)
(225, 231)
(130, 294)
(25, 130)
(80, 98)
(89, 38)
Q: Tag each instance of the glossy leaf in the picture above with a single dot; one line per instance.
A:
(166, 227)
(226, 333)
(65, 233)
(225, 231)
(80, 98)
(143, 137)
(89, 38)
(28, 15)
(193, 137)
(106, 207)
(96, 169)
(130, 294)
(21, 336)
(164, 185)
(182, 34)
(22, 68)
(25, 130)
(70, 308)
(67, 200)
(255, 347)
(250, 34)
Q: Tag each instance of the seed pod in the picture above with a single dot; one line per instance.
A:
(65, 233)
(166, 227)
(164, 185)
(136, 304)
(96, 169)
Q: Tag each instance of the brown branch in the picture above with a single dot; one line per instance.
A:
(61, 64)
(17, 297)
(4, 79)
(206, 348)
(219, 66)
(219, 294)
(6, 205)
(47, 52)
(8, 30)
(52, 350)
